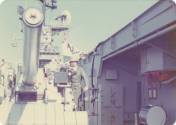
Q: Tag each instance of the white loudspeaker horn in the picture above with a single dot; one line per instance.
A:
(66, 17)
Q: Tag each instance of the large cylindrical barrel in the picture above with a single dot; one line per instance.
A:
(33, 20)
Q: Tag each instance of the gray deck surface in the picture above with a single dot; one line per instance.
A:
(39, 113)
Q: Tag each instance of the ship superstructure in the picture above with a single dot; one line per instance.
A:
(132, 74)
(133, 71)
(37, 99)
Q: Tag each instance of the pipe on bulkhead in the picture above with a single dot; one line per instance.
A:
(32, 19)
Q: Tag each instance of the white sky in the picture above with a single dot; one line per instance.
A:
(92, 21)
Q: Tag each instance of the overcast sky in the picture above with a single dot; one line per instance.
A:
(92, 21)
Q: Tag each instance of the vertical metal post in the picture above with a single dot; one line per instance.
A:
(33, 20)
(136, 120)
(44, 11)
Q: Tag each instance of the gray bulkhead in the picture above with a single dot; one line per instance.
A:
(118, 65)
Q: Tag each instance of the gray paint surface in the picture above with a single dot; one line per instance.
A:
(149, 38)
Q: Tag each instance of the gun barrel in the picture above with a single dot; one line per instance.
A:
(33, 20)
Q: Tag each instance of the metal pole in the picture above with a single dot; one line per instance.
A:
(136, 119)
(44, 11)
